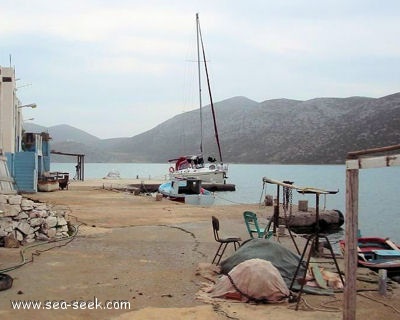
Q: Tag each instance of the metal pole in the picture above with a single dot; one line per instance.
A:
(199, 81)
(276, 210)
(316, 243)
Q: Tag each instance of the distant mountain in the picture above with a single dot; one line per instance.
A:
(31, 127)
(62, 133)
(65, 138)
(320, 130)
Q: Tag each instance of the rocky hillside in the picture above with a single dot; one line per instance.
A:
(320, 130)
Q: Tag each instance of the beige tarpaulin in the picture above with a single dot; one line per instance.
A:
(254, 279)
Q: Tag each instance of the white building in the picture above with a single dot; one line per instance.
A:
(17, 167)
(8, 111)
(11, 121)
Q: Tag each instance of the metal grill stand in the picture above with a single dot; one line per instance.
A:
(313, 244)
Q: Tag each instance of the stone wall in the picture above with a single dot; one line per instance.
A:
(23, 221)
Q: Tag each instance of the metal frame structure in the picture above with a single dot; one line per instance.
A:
(312, 240)
(80, 164)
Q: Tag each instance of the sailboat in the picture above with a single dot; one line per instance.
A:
(195, 166)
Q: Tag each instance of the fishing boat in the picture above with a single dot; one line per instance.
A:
(113, 174)
(188, 191)
(378, 253)
(194, 166)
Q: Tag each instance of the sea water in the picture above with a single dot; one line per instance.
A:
(379, 198)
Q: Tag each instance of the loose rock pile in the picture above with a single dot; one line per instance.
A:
(23, 221)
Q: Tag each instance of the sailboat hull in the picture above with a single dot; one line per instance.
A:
(217, 175)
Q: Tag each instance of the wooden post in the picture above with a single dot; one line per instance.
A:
(350, 255)
(355, 162)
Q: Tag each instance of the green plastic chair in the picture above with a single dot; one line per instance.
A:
(250, 218)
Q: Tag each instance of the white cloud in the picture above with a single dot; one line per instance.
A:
(89, 20)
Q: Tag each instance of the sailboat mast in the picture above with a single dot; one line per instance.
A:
(209, 88)
(199, 79)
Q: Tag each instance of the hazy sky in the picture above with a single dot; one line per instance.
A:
(119, 68)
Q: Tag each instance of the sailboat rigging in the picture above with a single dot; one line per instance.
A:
(193, 166)
(208, 83)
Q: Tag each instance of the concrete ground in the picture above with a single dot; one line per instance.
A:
(146, 252)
